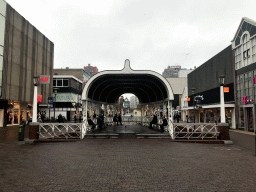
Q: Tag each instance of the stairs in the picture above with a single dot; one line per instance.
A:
(126, 136)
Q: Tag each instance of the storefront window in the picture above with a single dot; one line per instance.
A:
(13, 113)
(228, 116)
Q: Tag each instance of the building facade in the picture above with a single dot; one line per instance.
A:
(24, 53)
(134, 101)
(82, 74)
(205, 80)
(175, 72)
(244, 51)
(67, 91)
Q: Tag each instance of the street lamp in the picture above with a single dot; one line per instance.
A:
(36, 83)
(193, 92)
(222, 108)
(55, 90)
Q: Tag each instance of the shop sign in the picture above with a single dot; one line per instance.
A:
(44, 79)
(50, 102)
(246, 101)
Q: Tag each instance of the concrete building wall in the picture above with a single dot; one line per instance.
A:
(205, 77)
(27, 53)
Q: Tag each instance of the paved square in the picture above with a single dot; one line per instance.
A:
(126, 165)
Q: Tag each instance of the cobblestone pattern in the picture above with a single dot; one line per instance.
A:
(125, 165)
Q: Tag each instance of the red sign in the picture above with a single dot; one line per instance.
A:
(44, 79)
(39, 98)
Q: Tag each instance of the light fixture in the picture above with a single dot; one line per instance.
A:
(221, 80)
(36, 80)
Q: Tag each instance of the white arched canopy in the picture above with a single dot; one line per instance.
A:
(105, 87)
(148, 86)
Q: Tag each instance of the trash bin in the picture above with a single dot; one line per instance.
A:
(22, 127)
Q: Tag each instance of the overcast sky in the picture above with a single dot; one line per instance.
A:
(151, 34)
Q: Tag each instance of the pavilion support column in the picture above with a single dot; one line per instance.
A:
(170, 120)
(141, 111)
(84, 125)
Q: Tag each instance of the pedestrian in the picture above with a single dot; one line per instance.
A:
(75, 118)
(187, 118)
(154, 121)
(60, 118)
(163, 124)
(120, 119)
(115, 118)
(80, 118)
(178, 118)
(90, 122)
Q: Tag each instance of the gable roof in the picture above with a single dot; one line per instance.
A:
(246, 24)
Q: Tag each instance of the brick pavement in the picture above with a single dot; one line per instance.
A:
(126, 165)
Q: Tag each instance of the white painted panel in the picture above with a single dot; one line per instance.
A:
(2, 7)
(2, 28)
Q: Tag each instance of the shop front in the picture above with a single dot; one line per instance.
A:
(211, 114)
(246, 120)
(17, 113)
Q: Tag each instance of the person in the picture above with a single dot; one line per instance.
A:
(119, 119)
(60, 118)
(90, 122)
(115, 119)
(154, 121)
(178, 118)
(80, 118)
(75, 118)
(187, 118)
(163, 124)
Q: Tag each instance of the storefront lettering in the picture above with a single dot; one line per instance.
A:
(245, 100)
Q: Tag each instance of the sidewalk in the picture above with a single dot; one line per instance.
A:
(243, 138)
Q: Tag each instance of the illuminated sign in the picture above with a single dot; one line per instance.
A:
(245, 100)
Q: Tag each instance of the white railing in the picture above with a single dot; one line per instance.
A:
(195, 131)
(61, 130)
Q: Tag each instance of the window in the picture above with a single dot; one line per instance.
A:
(60, 82)
(65, 82)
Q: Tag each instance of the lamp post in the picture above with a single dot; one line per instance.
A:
(193, 92)
(36, 83)
(222, 108)
(55, 90)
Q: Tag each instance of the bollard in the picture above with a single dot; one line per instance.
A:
(22, 131)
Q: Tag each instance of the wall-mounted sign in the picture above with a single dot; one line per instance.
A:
(44, 79)
(226, 89)
(39, 98)
(246, 101)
